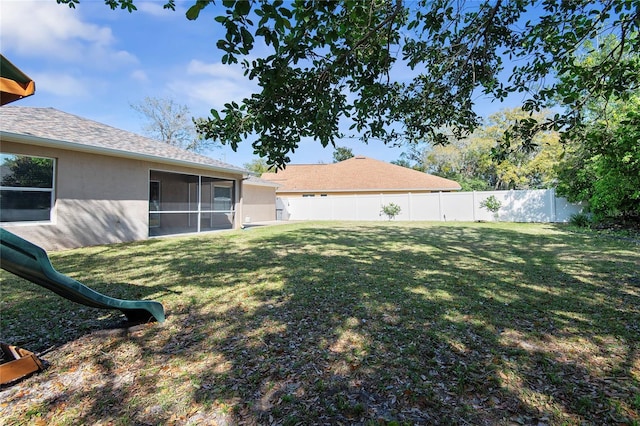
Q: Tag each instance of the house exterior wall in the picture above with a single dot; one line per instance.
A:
(98, 199)
(259, 203)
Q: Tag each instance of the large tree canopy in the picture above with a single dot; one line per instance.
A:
(403, 72)
(602, 167)
(471, 161)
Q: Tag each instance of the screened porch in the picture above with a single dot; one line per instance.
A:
(184, 203)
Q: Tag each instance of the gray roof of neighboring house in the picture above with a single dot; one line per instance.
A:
(51, 127)
(254, 180)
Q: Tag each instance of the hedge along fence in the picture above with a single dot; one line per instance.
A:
(540, 205)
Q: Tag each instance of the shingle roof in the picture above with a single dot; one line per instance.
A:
(52, 127)
(357, 174)
(256, 181)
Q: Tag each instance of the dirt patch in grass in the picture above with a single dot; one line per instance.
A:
(328, 323)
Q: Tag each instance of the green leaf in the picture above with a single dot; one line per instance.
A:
(193, 12)
(247, 38)
(243, 7)
(285, 12)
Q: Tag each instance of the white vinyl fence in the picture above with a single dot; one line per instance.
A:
(517, 206)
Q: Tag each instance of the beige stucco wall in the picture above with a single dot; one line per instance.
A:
(99, 199)
(259, 203)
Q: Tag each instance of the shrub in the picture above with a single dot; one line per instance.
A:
(492, 204)
(581, 220)
(391, 210)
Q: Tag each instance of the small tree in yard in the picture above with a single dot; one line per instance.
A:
(492, 204)
(391, 210)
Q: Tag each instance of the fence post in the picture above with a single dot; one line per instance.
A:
(440, 206)
(554, 214)
(473, 207)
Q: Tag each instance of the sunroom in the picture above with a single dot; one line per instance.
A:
(185, 203)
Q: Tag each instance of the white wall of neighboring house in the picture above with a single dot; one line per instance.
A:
(517, 206)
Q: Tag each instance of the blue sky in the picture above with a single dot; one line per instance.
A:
(95, 62)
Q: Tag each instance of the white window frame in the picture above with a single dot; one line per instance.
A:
(51, 191)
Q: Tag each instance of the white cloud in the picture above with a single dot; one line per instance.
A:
(212, 85)
(140, 75)
(154, 8)
(218, 69)
(63, 85)
(47, 29)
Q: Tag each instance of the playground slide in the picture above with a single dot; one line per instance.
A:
(28, 261)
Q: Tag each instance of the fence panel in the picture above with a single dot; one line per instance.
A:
(344, 207)
(529, 206)
(368, 207)
(425, 207)
(457, 206)
(564, 209)
(517, 206)
(401, 200)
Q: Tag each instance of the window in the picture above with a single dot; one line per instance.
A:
(26, 188)
(222, 198)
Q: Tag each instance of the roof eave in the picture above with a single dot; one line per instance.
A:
(272, 185)
(377, 190)
(91, 149)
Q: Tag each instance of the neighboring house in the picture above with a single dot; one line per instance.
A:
(259, 200)
(355, 176)
(68, 182)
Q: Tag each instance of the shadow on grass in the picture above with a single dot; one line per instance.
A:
(354, 323)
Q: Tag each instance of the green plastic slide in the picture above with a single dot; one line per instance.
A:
(28, 261)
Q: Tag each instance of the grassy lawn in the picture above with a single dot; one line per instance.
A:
(328, 323)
